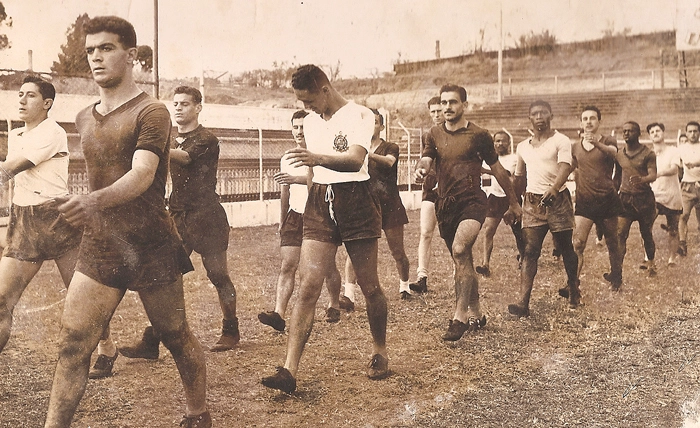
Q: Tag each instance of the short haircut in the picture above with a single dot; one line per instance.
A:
(115, 25)
(501, 133)
(309, 78)
(682, 136)
(376, 113)
(591, 108)
(433, 101)
(653, 124)
(635, 125)
(189, 90)
(455, 88)
(692, 123)
(46, 89)
(541, 103)
(299, 114)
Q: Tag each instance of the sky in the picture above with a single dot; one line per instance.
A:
(364, 36)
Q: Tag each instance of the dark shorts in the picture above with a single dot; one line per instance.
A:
(672, 217)
(203, 230)
(117, 264)
(598, 209)
(393, 212)
(342, 212)
(639, 207)
(38, 232)
(292, 229)
(429, 193)
(452, 210)
(497, 206)
(559, 215)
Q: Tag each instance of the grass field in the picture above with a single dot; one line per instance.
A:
(623, 359)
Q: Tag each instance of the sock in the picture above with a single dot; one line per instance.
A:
(422, 272)
(106, 347)
(350, 291)
(403, 286)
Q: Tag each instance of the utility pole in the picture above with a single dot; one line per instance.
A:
(156, 77)
(500, 60)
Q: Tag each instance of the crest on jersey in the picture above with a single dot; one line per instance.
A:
(340, 144)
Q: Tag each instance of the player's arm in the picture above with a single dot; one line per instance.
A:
(651, 172)
(77, 209)
(286, 179)
(563, 171)
(12, 167)
(606, 146)
(384, 161)
(422, 168)
(284, 203)
(349, 161)
(180, 157)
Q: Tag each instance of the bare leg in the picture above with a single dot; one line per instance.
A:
(285, 282)
(563, 241)
(581, 232)
(490, 227)
(534, 237)
(15, 275)
(333, 283)
(623, 232)
(217, 272)
(612, 241)
(428, 221)
(466, 283)
(394, 237)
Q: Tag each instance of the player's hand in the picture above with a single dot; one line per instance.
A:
(302, 157)
(548, 197)
(77, 209)
(283, 178)
(635, 180)
(419, 175)
(513, 215)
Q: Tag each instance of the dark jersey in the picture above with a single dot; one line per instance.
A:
(594, 171)
(194, 184)
(383, 179)
(635, 165)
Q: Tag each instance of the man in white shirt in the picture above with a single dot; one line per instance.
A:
(690, 184)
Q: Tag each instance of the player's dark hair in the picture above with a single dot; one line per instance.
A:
(46, 89)
(541, 103)
(693, 123)
(590, 108)
(635, 125)
(501, 133)
(682, 136)
(309, 78)
(433, 101)
(300, 114)
(376, 113)
(189, 90)
(455, 88)
(653, 124)
(115, 25)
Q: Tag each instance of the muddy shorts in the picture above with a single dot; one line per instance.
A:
(559, 215)
(639, 207)
(672, 217)
(429, 192)
(38, 232)
(452, 210)
(342, 212)
(292, 229)
(393, 212)
(204, 230)
(598, 209)
(690, 195)
(497, 206)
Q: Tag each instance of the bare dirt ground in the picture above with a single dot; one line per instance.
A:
(624, 359)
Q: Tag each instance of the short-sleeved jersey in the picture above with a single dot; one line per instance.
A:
(635, 165)
(458, 157)
(594, 170)
(690, 153)
(109, 143)
(541, 163)
(509, 163)
(667, 189)
(383, 180)
(351, 125)
(194, 184)
(298, 193)
(46, 146)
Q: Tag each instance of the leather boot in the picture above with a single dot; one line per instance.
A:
(147, 348)
(229, 336)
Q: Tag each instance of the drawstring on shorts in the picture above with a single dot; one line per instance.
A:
(330, 196)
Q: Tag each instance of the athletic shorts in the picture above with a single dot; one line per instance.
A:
(203, 230)
(672, 217)
(598, 209)
(292, 229)
(342, 212)
(497, 206)
(639, 207)
(117, 264)
(690, 194)
(452, 210)
(38, 232)
(393, 212)
(429, 192)
(559, 215)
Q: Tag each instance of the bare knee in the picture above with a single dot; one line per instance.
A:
(174, 338)
(74, 343)
(579, 245)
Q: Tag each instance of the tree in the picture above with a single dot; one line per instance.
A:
(4, 40)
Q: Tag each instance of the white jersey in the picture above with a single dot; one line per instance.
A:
(46, 146)
(298, 193)
(667, 189)
(540, 163)
(351, 125)
(509, 163)
(690, 153)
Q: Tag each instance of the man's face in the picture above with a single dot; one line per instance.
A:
(452, 106)
(630, 132)
(540, 117)
(501, 143)
(32, 106)
(314, 101)
(298, 131)
(378, 127)
(589, 121)
(186, 109)
(656, 134)
(108, 59)
(693, 133)
(436, 114)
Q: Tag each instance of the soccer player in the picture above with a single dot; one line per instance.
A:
(200, 219)
(544, 161)
(498, 204)
(383, 172)
(458, 148)
(130, 241)
(638, 167)
(690, 183)
(428, 221)
(597, 201)
(294, 192)
(341, 209)
(666, 187)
